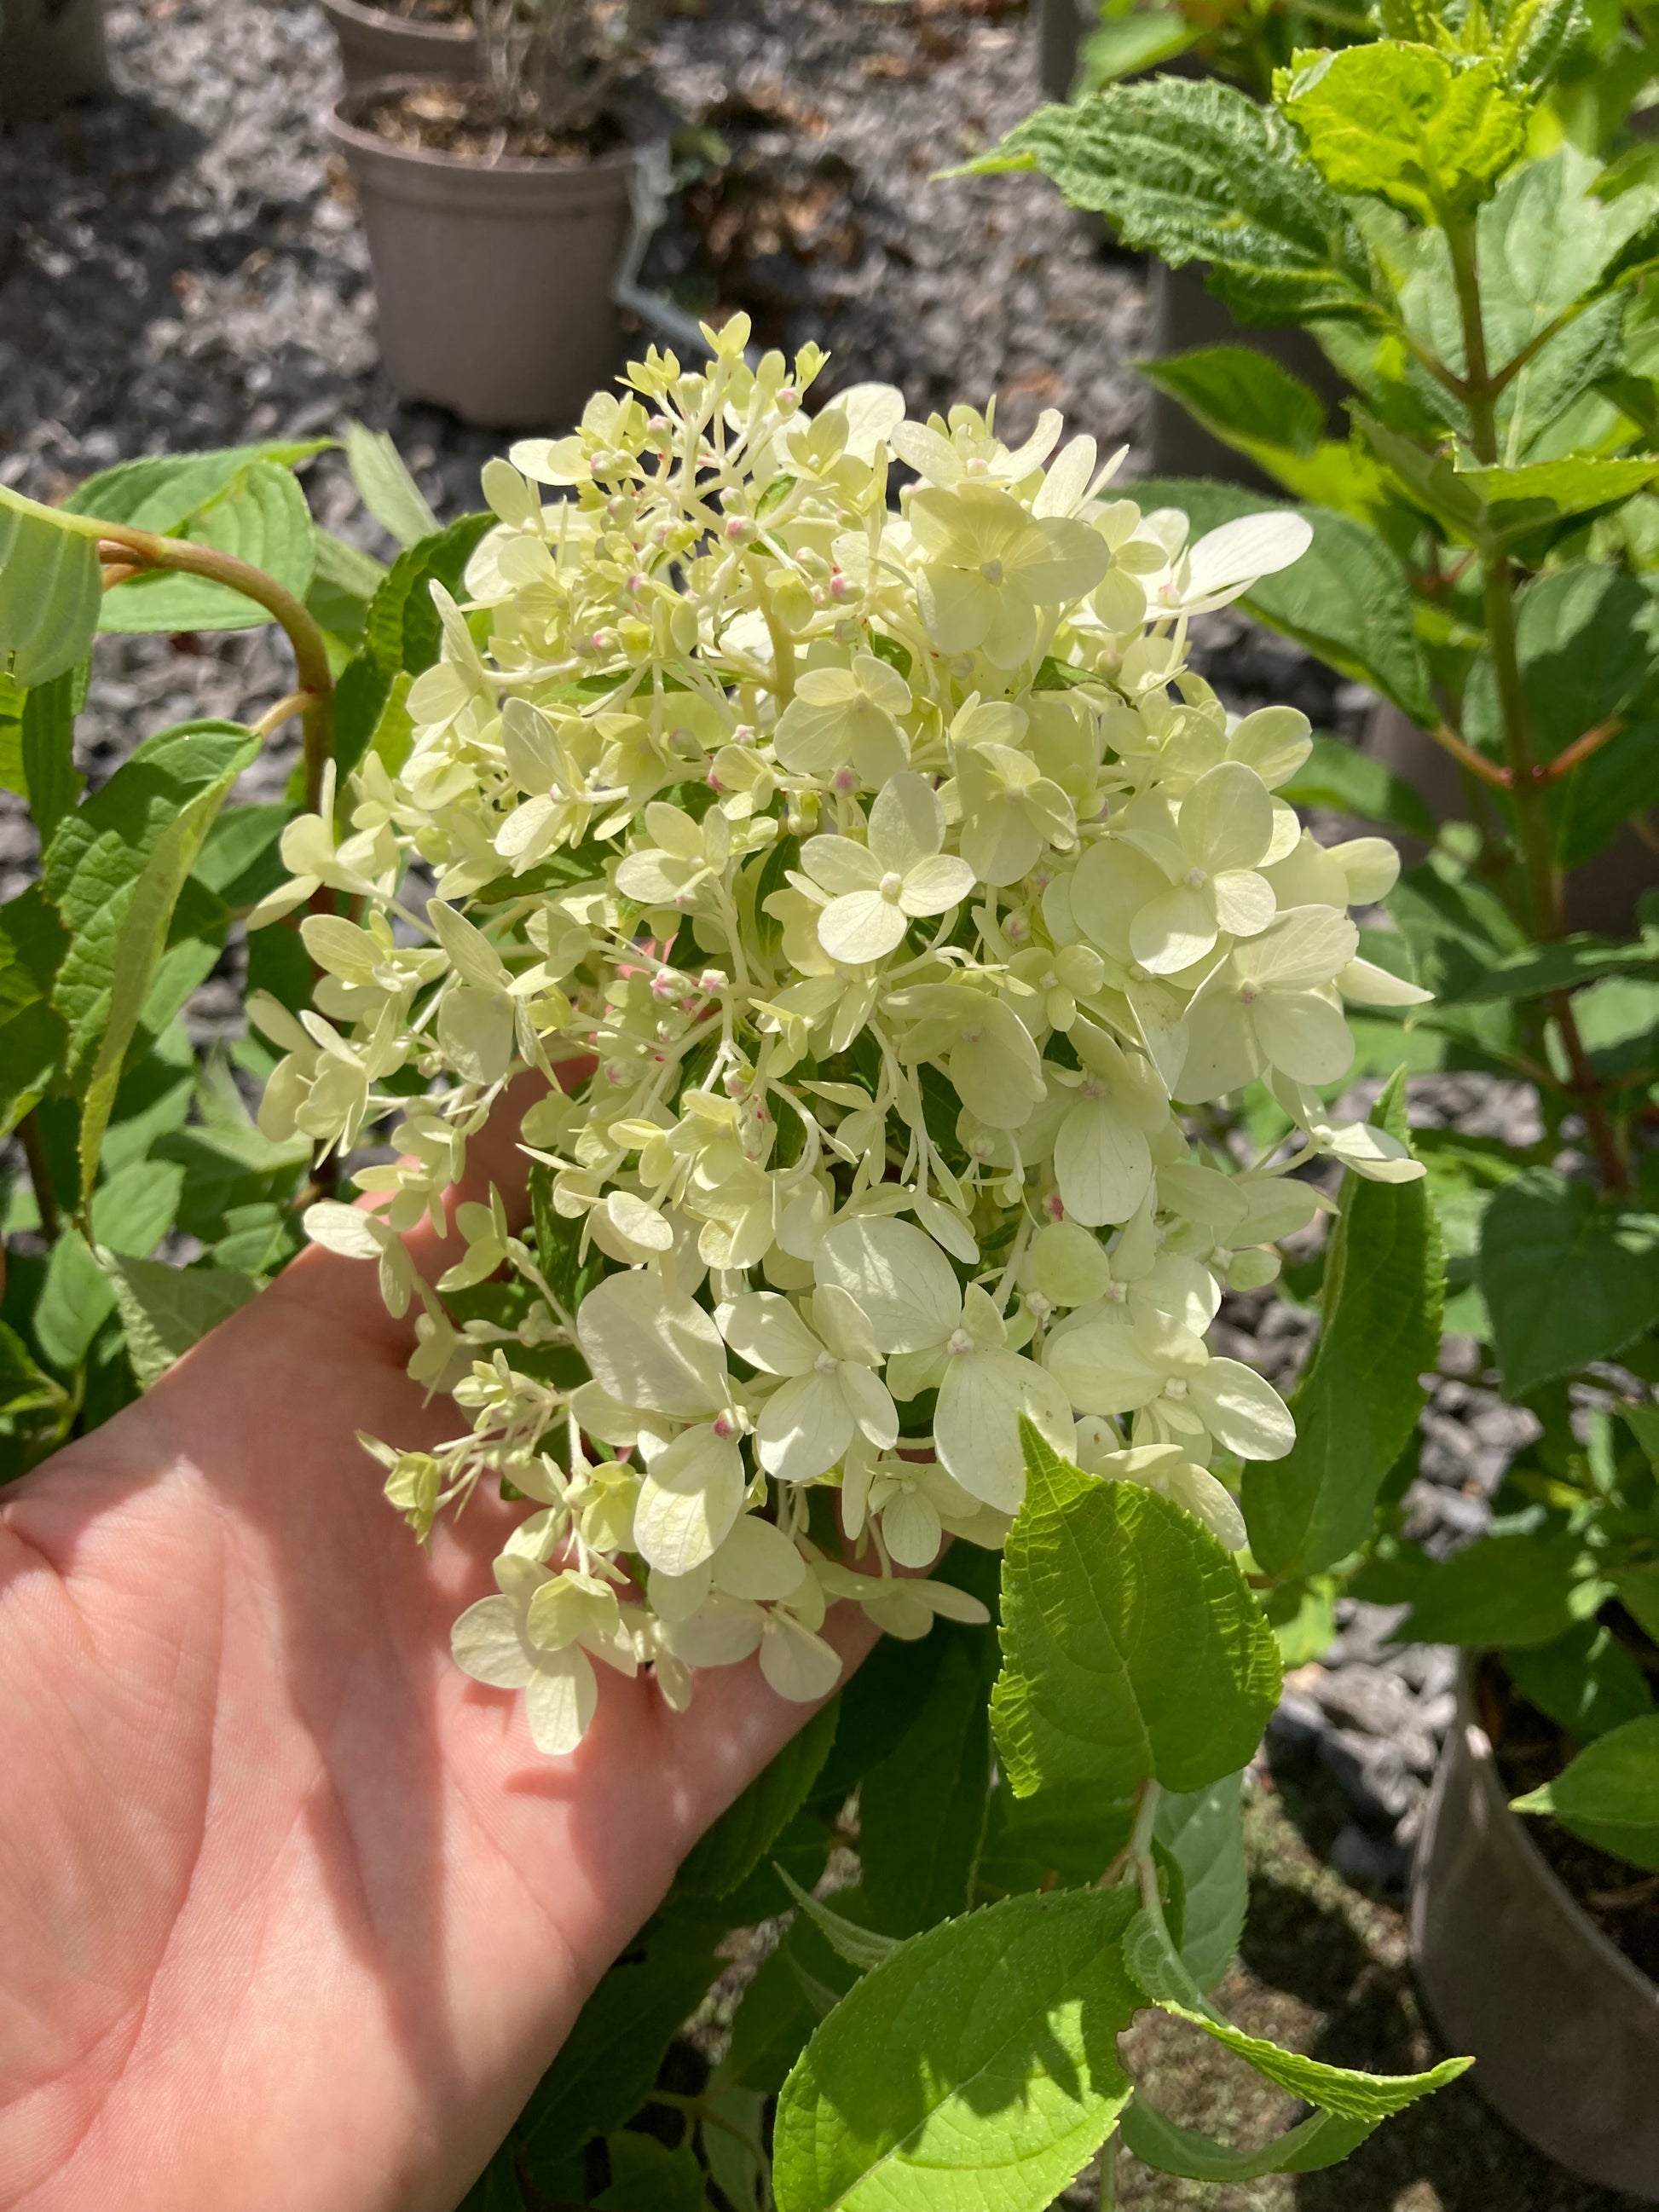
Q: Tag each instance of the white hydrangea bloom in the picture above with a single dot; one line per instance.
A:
(870, 882)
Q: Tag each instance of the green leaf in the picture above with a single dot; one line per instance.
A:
(1124, 45)
(162, 491)
(1538, 495)
(52, 590)
(862, 1947)
(1193, 170)
(1609, 1794)
(126, 940)
(344, 582)
(1203, 1830)
(1564, 966)
(747, 1829)
(734, 2166)
(402, 632)
(1363, 2097)
(260, 514)
(1321, 2140)
(1339, 776)
(1068, 1833)
(1346, 600)
(91, 870)
(385, 487)
(977, 2064)
(47, 730)
(1398, 120)
(1512, 1589)
(646, 2176)
(165, 1310)
(1358, 1402)
(1585, 1681)
(1244, 395)
(610, 2059)
(24, 1387)
(1567, 1279)
(922, 1809)
(1132, 1645)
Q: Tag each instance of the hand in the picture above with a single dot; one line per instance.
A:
(292, 1914)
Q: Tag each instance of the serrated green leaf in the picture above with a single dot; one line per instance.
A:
(610, 2059)
(1339, 776)
(646, 2176)
(161, 491)
(52, 590)
(1401, 121)
(1512, 1589)
(1132, 1645)
(1567, 1279)
(1193, 170)
(1609, 1794)
(746, 1830)
(401, 634)
(25, 1388)
(1566, 965)
(1203, 1830)
(1365, 2097)
(977, 2064)
(862, 1947)
(126, 940)
(258, 514)
(165, 1310)
(1539, 494)
(344, 582)
(1068, 1833)
(1243, 396)
(1322, 2140)
(385, 487)
(1358, 1402)
(1348, 599)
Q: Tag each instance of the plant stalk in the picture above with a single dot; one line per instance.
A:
(125, 551)
(40, 1167)
(1526, 779)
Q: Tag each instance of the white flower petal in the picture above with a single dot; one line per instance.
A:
(900, 1276)
(1101, 1164)
(765, 1330)
(688, 1500)
(804, 1428)
(757, 1560)
(799, 1665)
(1241, 1409)
(485, 1643)
(560, 1701)
(648, 1347)
(976, 1422)
(910, 1530)
(861, 927)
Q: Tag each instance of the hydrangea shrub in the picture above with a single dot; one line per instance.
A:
(871, 883)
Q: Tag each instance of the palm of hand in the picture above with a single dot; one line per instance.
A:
(292, 1913)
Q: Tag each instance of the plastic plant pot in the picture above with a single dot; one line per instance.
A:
(1564, 2028)
(375, 44)
(493, 279)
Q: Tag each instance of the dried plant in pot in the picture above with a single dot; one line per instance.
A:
(497, 211)
(402, 38)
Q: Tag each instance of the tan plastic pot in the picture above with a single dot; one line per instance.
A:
(1601, 897)
(1563, 2028)
(52, 51)
(492, 280)
(375, 44)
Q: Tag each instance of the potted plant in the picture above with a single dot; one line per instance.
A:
(876, 899)
(424, 37)
(497, 212)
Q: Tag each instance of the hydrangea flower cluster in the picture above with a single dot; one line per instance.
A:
(870, 881)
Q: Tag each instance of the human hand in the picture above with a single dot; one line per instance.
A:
(292, 1914)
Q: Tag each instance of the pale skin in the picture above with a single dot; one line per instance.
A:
(292, 1914)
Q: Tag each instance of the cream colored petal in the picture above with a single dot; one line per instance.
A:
(862, 926)
(1101, 1164)
(1303, 1035)
(906, 823)
(804, 1428)
(798, 1666)
(910, 1529)
(900, 1276)
(688, 1500)
(485, 1643)
(757, 1560)
(1241, 1409)
(648, 1347)
(765, 1330)
(976, 1422)
(560, 1702)
(1174, 929)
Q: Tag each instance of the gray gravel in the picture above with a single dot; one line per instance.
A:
(185, 269)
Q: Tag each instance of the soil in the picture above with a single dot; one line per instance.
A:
(470, 123)
(1531, 1748)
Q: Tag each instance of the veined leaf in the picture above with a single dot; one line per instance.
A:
(52, 779)
(1539, 494)
(1585, 1680)
(1321, 2140)
(1132, 1645)
(1346, 600)
(1399, 120)
(1609, 1794)
(165, 1310)
(1564, 966)
(385, 487)
(1193, 170)
(1361, 2097)
(258, 514)
(1244, 398)
(922, 1809)
(52, 588)
(977, 2064)
(401, 632)
(161, 491)
(1567, 1279)
(1513, 1589)
(1203, 1830)
(862, 1947)
(1358, 1402)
